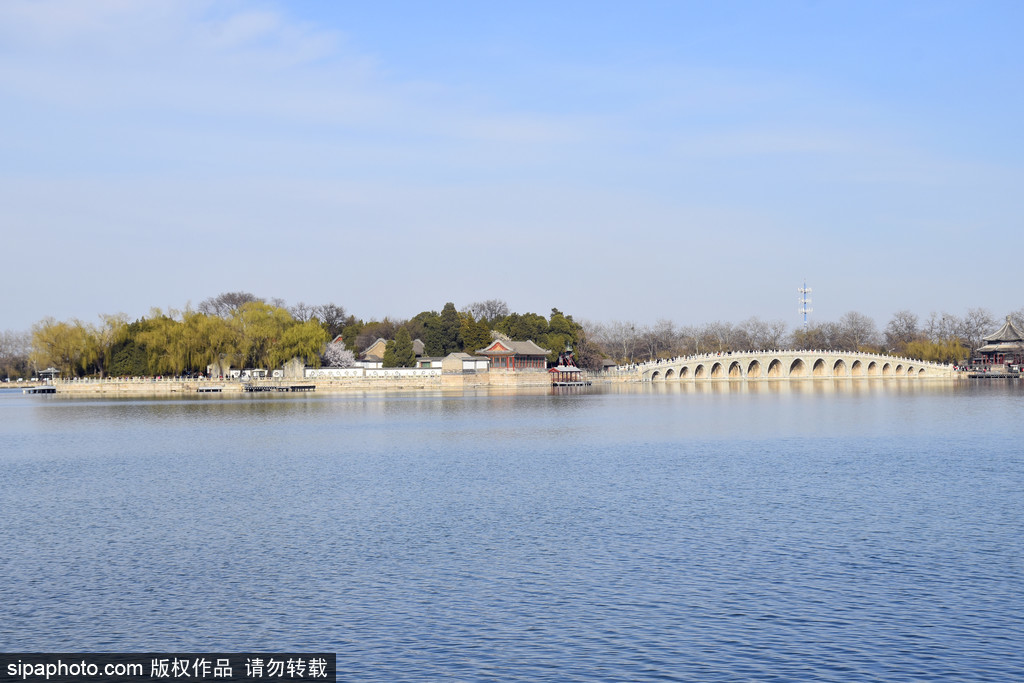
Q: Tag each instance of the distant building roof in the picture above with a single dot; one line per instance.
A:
(374, 351)
(501, 347)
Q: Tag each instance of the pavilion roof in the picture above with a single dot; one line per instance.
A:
(1005, 347)
(503, 347)
(1007, 333)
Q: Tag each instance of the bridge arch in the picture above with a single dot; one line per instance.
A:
(798, 368)
(754, 369)
(856, 368)
(656, 376)
(700, 372)
(684, 372)
(873, 368)
(839, 368)
(818, 369)
(670, 374)
(775, 368)
(886, 370)
(735, 370)
(716, 371)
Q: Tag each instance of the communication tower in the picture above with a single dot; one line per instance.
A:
(804, 301)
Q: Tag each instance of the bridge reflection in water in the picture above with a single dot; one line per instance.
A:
(789, 365)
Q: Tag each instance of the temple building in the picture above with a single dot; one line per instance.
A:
(515, 355)
(1005, 347)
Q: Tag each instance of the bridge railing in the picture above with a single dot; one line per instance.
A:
(640, 367)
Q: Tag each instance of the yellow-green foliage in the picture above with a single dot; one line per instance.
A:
(304, 340)
(255, 335)
(58, 344)
(943, 351)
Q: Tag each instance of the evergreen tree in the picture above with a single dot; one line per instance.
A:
(443, 332)
(398, 353)
(562, 332)
(451, 327)
(476, 334)
(523, 327)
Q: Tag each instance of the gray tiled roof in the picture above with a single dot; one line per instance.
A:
(1007, 333)
(520, 348)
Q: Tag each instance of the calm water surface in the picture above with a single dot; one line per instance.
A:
(815, 531)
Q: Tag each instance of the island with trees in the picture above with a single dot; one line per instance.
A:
(242, 330)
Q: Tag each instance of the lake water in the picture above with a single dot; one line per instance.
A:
(808, 531)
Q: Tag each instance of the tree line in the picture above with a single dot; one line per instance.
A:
(941, 337)
(241, 330)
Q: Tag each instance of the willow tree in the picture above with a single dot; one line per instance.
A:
(101, 339)
(942, 351)
(58, 344)
(207, 338)
(259, 328)
(301, 340)
(163, 338)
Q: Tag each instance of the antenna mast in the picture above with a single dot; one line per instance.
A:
(804, 300)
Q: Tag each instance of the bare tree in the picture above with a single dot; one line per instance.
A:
(490, 310)
(588, 355)
(774, 332)
(620, 340)
(1017, 317)
(856, 332)
(668, 336)
(901, 330)
(648, 341)
(942, 326)
(302, 311)
(332, 316)
(753, 330)
(976, 324)
(824, 336)
(224, 305)
(717, 337)
(688, 339)
(14, 353)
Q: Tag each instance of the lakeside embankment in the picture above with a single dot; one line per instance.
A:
(150, 386)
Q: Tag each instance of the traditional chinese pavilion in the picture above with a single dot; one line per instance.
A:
(1005, 347)
(567, 373)
(515, 355)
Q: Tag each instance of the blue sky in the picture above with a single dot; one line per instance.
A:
(620, 161)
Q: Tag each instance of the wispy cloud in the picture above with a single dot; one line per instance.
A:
(236, 125)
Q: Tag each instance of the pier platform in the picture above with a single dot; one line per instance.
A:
(260, 388)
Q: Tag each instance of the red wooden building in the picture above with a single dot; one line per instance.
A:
(515, 355)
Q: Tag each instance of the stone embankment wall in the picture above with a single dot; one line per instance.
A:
(175, 387)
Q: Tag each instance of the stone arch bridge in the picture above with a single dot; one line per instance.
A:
(790, 365)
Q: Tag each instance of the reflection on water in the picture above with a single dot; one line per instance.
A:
(823, 530)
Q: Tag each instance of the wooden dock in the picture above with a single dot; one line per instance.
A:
(260, 388)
